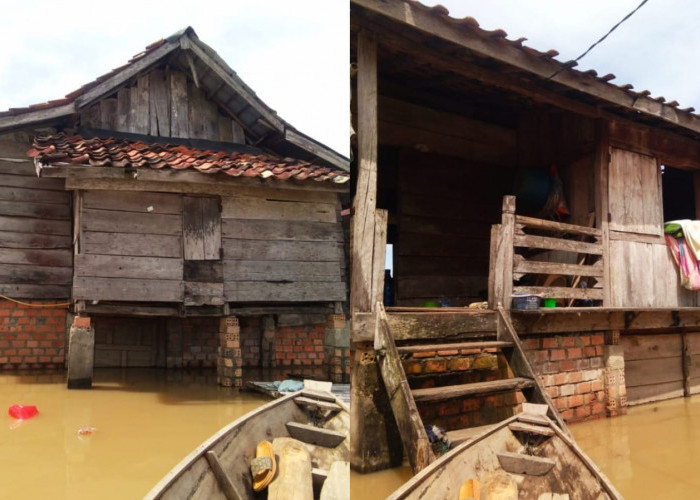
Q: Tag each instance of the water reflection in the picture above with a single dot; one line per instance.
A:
(146, 421)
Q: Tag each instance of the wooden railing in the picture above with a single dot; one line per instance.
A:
(547, 258)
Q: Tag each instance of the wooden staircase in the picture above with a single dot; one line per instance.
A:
(403, 399)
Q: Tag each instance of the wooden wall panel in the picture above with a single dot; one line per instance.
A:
(35, 227)
(130, 247)
(445, 210)
(644, 275)
(279, 250)
(163, 104)
(653, 367)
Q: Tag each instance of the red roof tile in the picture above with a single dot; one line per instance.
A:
(59, 148)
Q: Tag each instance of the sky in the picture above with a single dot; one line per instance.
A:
(656, 49)
(293, 54)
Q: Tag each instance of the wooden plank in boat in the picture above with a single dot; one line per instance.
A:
(293, 480)
(531, 418)
(531, 429)
(517, 463)
(318, 477)
(337, 486)
(221, 477)
(459, 436)
(315, 404)
(315, 435)
(320, 395)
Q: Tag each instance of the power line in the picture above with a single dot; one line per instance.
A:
(573, 63)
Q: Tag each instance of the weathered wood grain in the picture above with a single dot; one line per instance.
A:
(271, 270)
(307, 251)
(130, 222)
(257, 291)
(39, 257)
(179, 105)
(136, 290)
(32, 274)
(201, 228)
(29, 240)
(42, 210)
(156, 203)
(116, 266)
(159, 104)
(153, 245)
(270, 209)
(37, 292)
(30, 181)
(281, 230)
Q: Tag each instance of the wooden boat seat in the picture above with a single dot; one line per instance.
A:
(316, 404)
(315, 435)
(539, 430)
(517, 463)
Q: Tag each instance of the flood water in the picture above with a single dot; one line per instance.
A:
(146, 421)
(652, 452)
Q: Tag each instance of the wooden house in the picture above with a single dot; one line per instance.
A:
(178, 216)
(494, 169)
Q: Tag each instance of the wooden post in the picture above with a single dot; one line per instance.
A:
(363, 219)
(374, 440)
(505, 250)
(495, 282)
(378, 262)
(602, 209)
(687, 362)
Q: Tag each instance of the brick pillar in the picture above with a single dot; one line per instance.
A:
(337, 348)
(615, 387)
(267, 342)
(230, 360)
(81, 354)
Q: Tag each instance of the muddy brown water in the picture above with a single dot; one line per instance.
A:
(146, 421)
(652, 452)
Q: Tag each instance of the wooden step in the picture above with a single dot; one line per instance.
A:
(478, 388)
(493, 344)
(315, 435)
(315, 404)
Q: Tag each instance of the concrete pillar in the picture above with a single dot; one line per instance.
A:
(615, 387)
(267, 342)
(375, 442)
(337, 348)
(229, 362)
(81, 354)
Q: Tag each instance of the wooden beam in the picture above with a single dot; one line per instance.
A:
(234, 82)
(166, 180)
(131, 70)
(363, 220)
(506, 241)
(602, 205)
(318, 149)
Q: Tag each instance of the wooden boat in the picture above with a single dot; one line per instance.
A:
(219, 468)
(525, 456)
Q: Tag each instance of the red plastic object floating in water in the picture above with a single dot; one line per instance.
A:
(22, 412)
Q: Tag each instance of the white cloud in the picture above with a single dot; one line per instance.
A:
(293, 54)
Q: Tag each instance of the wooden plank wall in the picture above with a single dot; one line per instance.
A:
(130, 247)
(35, 227)
(446, 208)
(284, 246)
(653, 367)
(166, 104)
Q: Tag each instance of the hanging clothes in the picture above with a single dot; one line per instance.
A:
(683, 239)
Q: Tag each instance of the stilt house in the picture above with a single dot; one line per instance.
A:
(178, 216)
(494, 169)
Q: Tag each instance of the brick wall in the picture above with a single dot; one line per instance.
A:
(300, 345)
(31, 337)
(451, 367)
(250, 341)
(572, 369)
(200, 341)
